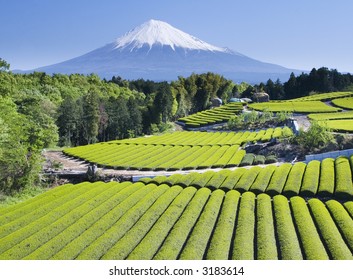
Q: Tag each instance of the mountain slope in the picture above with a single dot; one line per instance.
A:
(156, 50)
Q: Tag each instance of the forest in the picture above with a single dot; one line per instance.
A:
(39, 111)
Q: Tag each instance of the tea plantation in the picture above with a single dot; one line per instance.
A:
(242, 214)
(281, 211)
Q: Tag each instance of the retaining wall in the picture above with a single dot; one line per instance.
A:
(334, 154)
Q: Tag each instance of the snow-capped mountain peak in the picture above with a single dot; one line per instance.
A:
(155, 32)
(158, 51)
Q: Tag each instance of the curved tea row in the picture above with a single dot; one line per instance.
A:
(331, 177)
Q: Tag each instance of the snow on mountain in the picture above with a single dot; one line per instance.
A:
(155, 32)
(158, 51)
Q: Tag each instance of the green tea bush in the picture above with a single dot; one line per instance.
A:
(222, 237)
(289, 246)
(243, 247)
(248, 159)
(313, 249)
(173, 244)
(266, 247)
(330, 234)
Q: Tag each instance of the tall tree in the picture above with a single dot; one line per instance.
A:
(290, 87)
(69, 122)
(90, 109)
(164, 102)
(135, 117)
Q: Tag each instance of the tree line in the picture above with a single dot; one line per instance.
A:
(316, 81)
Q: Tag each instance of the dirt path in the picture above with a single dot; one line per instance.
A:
(71, 165)
(58, 161)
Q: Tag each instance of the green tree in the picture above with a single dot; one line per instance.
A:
(19, 159)
(290, 87)
(135, 117)
(164, 102)
(90, 109)
(68, 122)
(39, 112)
(4, 66)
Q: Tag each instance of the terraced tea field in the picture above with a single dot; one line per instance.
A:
(346, 103)
(295, 107)
(175, 151)
(340, 125)
(324, 96)
(161, 222)
(212, 116)
(332, 116)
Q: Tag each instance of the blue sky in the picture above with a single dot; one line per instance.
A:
(298, 34)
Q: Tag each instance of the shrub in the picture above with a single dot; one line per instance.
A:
(225, 158)
(259, 159)
(120, 192)
(317, 136)
(262, 179)
(286, 234)
(203, 154)
(121, 249)
(196, 245)
(236, 158)
(77, 245)
(111, 235)
(217, 179)
(248, 159)
(175, 240)
(270, 159)
(34, 208)
(52, 224)
(145, 180)
(18, 229)
(214, 157)
(247, 179)
(331, 236)
(311, 177)
(150, 244)
(232, 179)
(277, 133)
(223, 233)
(343, 221)
(327, 177)
(186, 180)
(286, 132)
(349, 207)
(158, 180)
(173, 179)
(294, 180)
(313, 249)
(278, 179)
(343, 178)
(203, 178)
(266, 246)
(243, 248)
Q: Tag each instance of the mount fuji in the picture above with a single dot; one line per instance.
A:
(158, 51)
